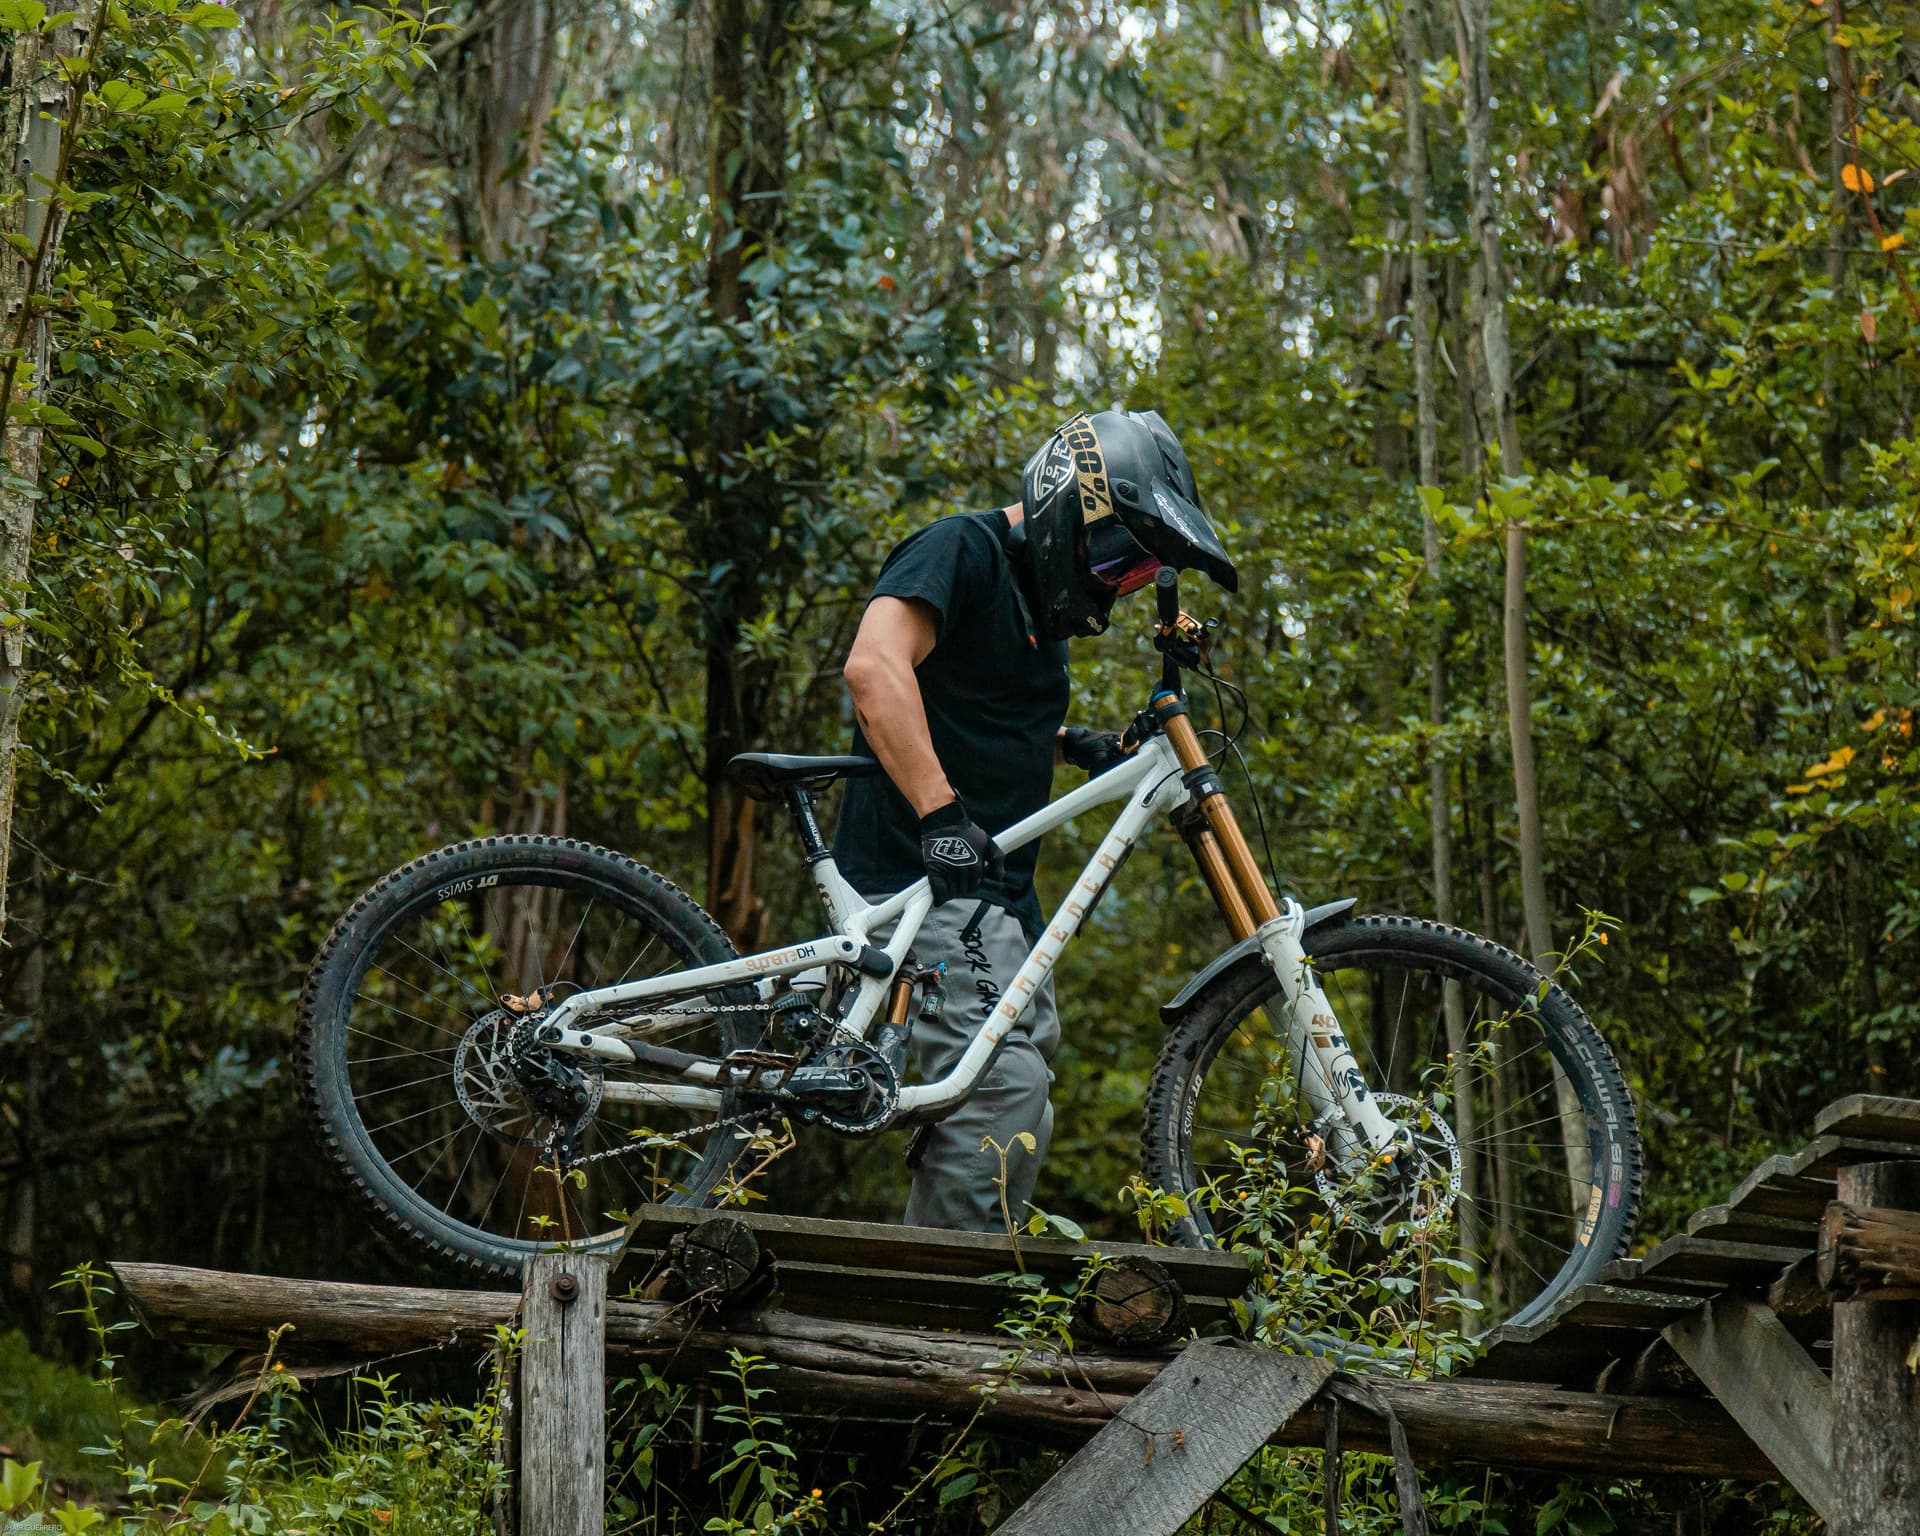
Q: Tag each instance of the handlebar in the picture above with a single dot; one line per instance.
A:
(1166, 590)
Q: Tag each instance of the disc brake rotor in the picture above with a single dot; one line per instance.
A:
(1417, 1198)
(489, 1088)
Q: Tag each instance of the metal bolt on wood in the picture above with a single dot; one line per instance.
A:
(563, 1395)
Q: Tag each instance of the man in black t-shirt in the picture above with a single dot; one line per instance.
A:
(959, 683)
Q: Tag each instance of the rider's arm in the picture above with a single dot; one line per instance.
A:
(896, 635)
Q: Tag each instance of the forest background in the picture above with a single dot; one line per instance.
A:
(492, 421)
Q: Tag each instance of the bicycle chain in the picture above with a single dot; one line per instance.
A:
(725, 1123)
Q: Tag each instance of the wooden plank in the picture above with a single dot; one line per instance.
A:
(1724, 1224)
(1593, 1329)
(1182, 1438)
(1873, 1116)
(865, 1371)
(1796, 1186)
(942, 1301)
(1575, 1358)
(1703, 1261)
(1876, 1462)
(1615, 1306)
(1777, 1188)
(563, 1414)
(932, 1251)
(1824, 1157)
(1770, 1386)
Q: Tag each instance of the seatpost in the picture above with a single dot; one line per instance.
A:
(813, 847)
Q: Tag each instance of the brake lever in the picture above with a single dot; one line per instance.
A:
(1187, 641)
(1136, 735)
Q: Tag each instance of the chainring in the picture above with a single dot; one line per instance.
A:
(1417, 1199)
(877, 1089)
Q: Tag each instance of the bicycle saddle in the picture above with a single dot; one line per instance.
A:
(767, 775)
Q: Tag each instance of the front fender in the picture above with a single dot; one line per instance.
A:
(1246, 951)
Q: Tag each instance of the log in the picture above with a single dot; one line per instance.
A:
(563, 1417)
(717, 1263)
(1877, 1458)
(1866, 1248)
(1132, 1303)
(864, 1371)
(1801, 1303)
(1195, 1426)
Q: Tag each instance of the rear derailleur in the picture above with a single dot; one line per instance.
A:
(502, 1060)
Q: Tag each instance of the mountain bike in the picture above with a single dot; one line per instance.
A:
(519, 1040)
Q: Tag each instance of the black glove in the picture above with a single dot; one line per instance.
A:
(1095, 751)
(958, 852)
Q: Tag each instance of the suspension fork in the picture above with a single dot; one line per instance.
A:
(1330, 1077)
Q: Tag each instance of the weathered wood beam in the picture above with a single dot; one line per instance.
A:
(1194, 1426)
(1866, 1248)
(1800, 1302)
(863, 1370)
(563, 1381)
(1762, 1376)
(1877, 1458)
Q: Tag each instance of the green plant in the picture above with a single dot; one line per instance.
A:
(760, 1488)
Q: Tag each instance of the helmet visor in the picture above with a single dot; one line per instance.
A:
(1116, 561)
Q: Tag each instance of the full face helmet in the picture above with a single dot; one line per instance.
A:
(1108, 500)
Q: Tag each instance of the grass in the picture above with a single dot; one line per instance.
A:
(51, 1412)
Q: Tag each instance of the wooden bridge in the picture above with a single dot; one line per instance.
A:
(1730, 1350)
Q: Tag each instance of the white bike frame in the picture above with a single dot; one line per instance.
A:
(1151, 783)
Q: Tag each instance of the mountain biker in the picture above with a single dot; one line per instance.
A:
(959, 681)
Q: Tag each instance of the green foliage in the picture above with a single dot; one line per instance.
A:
(367, 520)
(395, 1465)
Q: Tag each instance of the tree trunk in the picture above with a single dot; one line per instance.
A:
(1490, 294)
(34, 105)
(1833, 440)
(1427, 434)
(1876, 1390)
(22, 1205)
(511, 90)
(746, 165)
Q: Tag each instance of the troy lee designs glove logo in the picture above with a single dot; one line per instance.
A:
(954, 850)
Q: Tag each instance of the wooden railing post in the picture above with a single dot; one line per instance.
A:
(563, 1396)
(1876, 1392)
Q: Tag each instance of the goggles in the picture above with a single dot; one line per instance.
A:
(1117, 562)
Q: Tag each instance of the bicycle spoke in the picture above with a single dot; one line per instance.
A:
(383, 1003)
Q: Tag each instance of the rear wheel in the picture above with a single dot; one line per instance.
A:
(410, 1020)
(1534, 1194)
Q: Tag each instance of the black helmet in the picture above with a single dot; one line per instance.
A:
(1107, 501)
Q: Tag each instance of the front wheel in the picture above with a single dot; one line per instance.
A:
(1528, 1157)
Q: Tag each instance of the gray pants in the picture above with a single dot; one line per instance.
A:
(953, 1173)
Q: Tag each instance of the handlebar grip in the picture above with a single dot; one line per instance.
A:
(1166, 589)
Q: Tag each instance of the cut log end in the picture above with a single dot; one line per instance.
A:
(1132, 1303)
(718, 1264)
(1868, 1250)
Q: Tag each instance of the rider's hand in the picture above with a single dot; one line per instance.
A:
(1095, 751)
(959, 853)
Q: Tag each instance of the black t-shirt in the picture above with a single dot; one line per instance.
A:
(995, 697)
